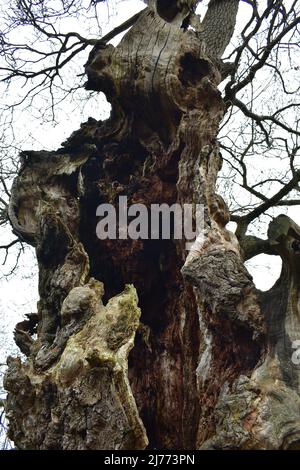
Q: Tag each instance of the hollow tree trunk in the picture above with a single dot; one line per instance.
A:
(201, 359)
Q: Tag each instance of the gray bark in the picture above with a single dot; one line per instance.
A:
(209, 365)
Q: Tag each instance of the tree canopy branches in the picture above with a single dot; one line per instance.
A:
(260, 137)
(44, 44)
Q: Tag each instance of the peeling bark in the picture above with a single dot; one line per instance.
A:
(210, 363)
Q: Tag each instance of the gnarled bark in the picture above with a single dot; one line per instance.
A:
(207, 364)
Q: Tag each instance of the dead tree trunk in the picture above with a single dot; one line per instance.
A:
(209, 361)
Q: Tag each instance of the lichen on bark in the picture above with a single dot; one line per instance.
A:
(84, 400)
(206, 364)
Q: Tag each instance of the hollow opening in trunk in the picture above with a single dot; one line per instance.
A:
(265, 270)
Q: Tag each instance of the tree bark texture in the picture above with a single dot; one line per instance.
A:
(139, 342)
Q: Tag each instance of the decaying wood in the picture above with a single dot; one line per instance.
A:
(83, 401)
(210, 364)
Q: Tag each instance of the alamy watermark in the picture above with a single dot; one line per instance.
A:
(160, 221)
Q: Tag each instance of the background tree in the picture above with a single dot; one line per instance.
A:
(228, 382)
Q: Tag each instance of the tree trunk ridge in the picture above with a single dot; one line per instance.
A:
(201, 359)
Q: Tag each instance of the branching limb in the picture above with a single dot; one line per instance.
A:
(244, 221)
(7, 247)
